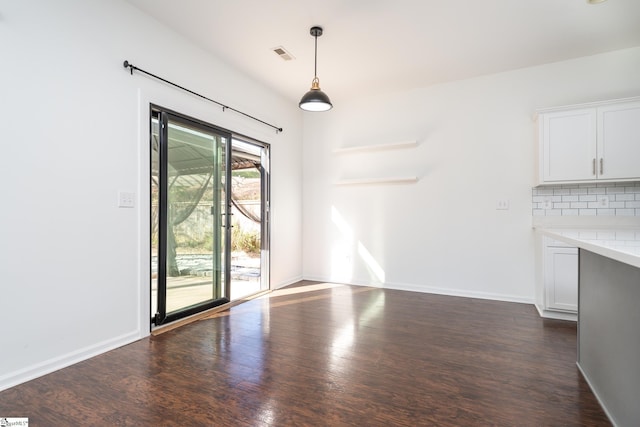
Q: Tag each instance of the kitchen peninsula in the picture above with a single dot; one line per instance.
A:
(608, 315)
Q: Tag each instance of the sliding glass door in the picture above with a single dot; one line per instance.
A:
(191, 230)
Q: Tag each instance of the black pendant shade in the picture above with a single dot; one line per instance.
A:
(315, 99)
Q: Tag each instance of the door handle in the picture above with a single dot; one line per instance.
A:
(594, 167)
(601, 165)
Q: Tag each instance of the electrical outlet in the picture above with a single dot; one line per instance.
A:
(502, 204)
(126, 199)
(547, 204)
(603, 202)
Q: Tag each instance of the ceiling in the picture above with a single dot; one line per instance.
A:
(374, 46)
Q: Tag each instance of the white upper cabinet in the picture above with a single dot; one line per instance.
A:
(593, 142)
(569, 145)
(619, 141)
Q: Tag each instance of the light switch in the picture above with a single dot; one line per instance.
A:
(546, 203)
(126, 199)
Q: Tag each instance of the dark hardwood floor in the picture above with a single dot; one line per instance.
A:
(323, 355)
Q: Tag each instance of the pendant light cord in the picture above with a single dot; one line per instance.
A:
(315, 60)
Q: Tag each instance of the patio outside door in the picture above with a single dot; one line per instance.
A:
(190, 169)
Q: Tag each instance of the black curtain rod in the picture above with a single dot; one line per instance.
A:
(132, 67)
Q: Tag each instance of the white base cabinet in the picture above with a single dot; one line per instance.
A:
(556, 279)
(560, 277)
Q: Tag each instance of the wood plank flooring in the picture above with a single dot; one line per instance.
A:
(330, 355)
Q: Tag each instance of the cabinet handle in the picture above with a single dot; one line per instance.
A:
(594, 167)
(601, 165)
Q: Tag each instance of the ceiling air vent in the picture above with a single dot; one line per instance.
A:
(282, 53)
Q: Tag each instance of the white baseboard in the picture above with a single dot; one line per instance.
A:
(435, 290)
(459, 293)
(548, 314)
(29, 373)
(287, 282)
(48, 366)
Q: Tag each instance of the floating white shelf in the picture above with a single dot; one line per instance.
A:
(390, 146)
(370, 181)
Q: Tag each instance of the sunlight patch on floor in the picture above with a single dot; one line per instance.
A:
(303, 289)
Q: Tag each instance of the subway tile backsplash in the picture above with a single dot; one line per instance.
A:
(619, 199)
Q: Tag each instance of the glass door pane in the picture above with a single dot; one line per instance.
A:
(190, 226)
(249, 200)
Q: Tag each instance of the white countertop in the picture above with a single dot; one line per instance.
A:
(620, 244)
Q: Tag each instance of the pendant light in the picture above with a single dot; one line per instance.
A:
(315, 99)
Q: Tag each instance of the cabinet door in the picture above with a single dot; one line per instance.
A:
(619, 141)
(569, 145)
(561, 278)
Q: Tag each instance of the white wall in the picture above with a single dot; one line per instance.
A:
(74, 267)
(476, 139)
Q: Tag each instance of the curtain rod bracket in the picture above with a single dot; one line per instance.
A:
(131, 67)
(127, 65)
